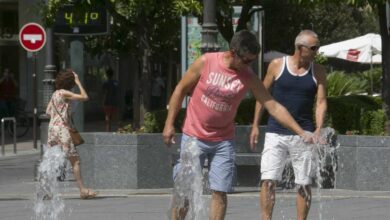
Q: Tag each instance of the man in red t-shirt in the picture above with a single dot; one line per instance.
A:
(8, 91)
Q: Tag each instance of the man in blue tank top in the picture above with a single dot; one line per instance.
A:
(297, 82)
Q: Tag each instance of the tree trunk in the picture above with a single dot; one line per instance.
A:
(385, 65)
(145, 80)
(136, 97)
(145, 83)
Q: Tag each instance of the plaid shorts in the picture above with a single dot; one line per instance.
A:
(221, 162)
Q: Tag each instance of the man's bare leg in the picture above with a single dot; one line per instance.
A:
(218, 205)
(179, 214)
(267, 199)
(303, 202)
(108, 120)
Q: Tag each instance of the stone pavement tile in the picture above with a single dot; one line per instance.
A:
(153, 207)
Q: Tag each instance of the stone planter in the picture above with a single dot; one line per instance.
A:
(363, 163)
(142, 161)
(125, 161)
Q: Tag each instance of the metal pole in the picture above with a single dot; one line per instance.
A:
(14, 120)
(259, 10)
(209, 28)
(48, 86)
(2, 138)
(34, 88)
(3, 133)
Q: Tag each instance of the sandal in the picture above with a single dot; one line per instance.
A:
(47, 197)
(88, 195)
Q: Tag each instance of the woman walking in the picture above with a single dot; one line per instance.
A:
(59, 109)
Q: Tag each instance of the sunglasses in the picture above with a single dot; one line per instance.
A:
(312, 48)
(245, 60)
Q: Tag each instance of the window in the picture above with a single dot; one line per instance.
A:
(8, 20)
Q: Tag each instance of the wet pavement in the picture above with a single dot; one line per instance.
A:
(17, 190)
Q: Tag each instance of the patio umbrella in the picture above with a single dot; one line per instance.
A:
(364, 49)
(273, 54)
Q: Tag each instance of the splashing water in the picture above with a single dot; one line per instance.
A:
(48, 204)
(188, 190)
(323, 166)
(326, 160)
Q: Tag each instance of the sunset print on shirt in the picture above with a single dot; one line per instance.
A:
(220, 91)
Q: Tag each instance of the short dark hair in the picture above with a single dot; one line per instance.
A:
(244, 42)
(65, 79)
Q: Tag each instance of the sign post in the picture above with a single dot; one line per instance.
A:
(32, 37)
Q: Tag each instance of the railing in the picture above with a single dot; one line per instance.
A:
(3, 133)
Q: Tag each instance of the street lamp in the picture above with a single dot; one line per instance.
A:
(209, 28)
(48, 86)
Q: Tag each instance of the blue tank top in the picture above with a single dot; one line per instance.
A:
(296, 93)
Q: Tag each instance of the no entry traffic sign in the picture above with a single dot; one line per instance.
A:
(32, 37)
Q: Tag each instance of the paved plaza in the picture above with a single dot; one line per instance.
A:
(17, 190)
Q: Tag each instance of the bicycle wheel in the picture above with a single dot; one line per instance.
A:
(22, 125)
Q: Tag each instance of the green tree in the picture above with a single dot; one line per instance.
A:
(144, 28)
(380, 6)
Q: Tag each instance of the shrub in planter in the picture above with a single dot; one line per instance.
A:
(154, 121)
(374, 122)
(355, 113)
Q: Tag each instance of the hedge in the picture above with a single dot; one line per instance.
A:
(355, 114)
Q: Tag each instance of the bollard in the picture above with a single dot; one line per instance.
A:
(3, 133)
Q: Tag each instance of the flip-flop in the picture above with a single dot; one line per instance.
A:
(89, 195)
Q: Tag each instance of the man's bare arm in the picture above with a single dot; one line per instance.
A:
(321, 103)
(185, 85)
(273, 70)
(275, 109)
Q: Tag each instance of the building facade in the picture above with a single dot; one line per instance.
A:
(13, 15)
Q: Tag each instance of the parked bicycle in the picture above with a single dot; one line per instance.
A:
(22, 119)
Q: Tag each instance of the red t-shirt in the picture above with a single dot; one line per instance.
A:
(7, 89)
(214, 102)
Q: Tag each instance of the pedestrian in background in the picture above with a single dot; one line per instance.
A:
(8, 93)
(110, 99)
(158, 86)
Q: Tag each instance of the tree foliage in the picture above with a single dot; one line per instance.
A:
(332, 22)
(152, 27)
(132, 18)
(144, 28)
(380, 6)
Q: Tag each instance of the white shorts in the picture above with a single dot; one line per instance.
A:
(276, 149)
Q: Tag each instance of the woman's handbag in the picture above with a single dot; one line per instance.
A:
(74, 134)
(76, 137)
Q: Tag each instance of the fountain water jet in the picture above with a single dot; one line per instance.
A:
(188, 190)
(48, 203)
(323, 166)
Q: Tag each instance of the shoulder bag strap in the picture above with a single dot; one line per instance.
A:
(66, 124)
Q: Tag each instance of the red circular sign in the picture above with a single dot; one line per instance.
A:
(32, 37)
